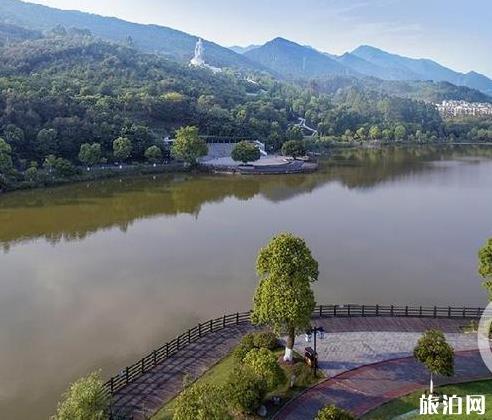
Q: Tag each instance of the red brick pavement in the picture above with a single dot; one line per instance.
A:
(364, 389)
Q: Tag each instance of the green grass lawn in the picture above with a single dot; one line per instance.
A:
(219, 373)
(410, 402)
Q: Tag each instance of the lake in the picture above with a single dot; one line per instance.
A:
(96, 275)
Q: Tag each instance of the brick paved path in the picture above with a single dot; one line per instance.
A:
(147, 394)
(354, 342)
(363, 389)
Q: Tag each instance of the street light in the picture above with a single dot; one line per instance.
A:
(314, 331)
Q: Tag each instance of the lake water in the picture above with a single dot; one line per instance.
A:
(96, 275)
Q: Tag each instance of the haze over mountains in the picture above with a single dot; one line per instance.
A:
(280, 57)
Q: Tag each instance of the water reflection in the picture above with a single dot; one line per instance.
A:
(74, 212)
(99, 274)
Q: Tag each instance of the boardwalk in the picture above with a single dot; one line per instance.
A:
(363, 389)
(148, 393)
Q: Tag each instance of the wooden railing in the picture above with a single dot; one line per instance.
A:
(133, 372)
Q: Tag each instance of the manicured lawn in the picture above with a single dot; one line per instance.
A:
(410, 402)
(219, 374)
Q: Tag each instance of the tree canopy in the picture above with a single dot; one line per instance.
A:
(284, 299)
(188, 146)
(294, 148)
(245, 152)
(435, 354)
(85, 399)
(485, 266)
(332, 412)
(201, 401)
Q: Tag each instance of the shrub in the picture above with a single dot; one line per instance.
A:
(84, 399)
(265, 339)
(247, 343)
(265, 365)
(201, 402)
(245, 390)
(331, 412)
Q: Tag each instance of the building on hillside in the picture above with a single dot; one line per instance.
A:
(454, 108)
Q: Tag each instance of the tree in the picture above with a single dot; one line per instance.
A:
(245, 152)
(49, 162)
(284, 299)
(295, 133)
(85, 399)
(63, 167)
(331, 412)
(90, 154)
(294, 148)
(201, 402)
(361, 133)
(5, 157)
(188, 146)
(436, 354)
(245, 390)
(122, 148)
(46, 142)
(153, 154)
(263, 363)
(400, 132)
(485, 266)
(374, 132)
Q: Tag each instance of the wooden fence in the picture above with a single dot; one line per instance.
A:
(133, 372)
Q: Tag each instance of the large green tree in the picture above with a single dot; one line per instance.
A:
(188, 146)
(153, 154)
(436, 354)
(294, 148)
(85, 399)
(201, 401)
(245, 152)
(485, 266)
(284, 299)
(122, 148)
(90, 154)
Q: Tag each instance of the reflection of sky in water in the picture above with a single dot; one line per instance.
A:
(411, 237)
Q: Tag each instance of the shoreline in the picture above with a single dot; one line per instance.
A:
(133, 171)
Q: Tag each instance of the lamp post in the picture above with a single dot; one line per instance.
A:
(315, 330)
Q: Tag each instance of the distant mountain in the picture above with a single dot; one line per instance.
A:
(296, 61)
(242, 50)
(151, 38)
(396, 67)
(13, 33)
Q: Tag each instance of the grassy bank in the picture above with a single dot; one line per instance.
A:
(410, 402)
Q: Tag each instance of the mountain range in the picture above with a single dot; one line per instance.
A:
(279, 57)
(297, 61)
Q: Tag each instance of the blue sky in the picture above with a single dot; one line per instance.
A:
(455, 33)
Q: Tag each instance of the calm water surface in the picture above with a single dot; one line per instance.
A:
(95, 275)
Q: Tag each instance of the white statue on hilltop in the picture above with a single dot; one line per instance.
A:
(199, 59)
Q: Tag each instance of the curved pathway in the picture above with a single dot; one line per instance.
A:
(144, 397)
(350, 343)
(365, 388)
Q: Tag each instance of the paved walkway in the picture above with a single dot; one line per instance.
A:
(364, 389)
(356, 342)
(147, 394)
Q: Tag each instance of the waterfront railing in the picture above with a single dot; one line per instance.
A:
(133, 372)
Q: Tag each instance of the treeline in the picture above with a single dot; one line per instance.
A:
(68, 99)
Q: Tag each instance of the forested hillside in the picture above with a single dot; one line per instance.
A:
(67, 89)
